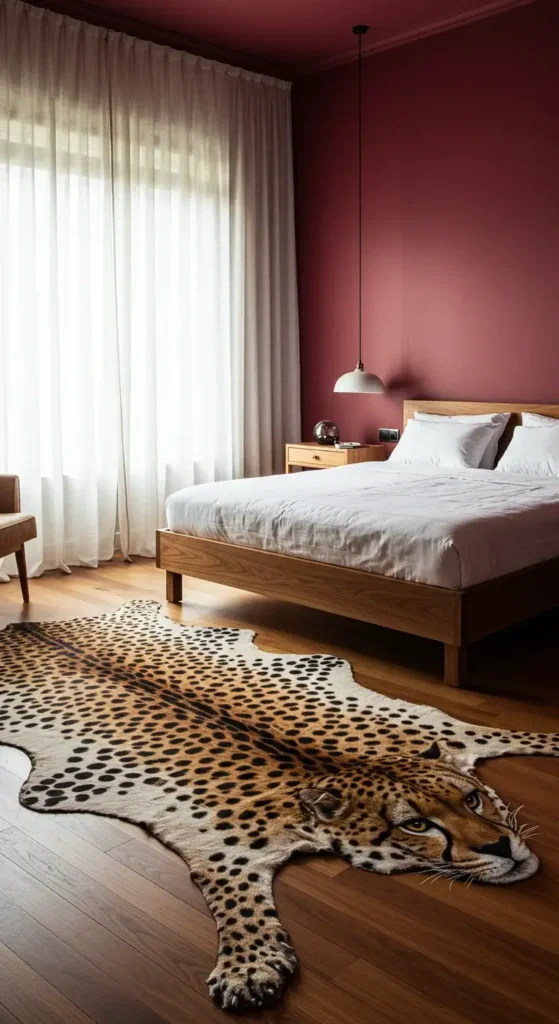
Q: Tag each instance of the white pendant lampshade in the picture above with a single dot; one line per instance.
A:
(357, 381)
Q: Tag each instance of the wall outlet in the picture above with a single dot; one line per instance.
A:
(388, 434)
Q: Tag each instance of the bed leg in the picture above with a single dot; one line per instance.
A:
(174, 587)
(455, 665)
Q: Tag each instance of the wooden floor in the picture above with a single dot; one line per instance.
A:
(100, 923)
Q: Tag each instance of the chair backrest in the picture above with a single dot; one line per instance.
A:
(9, 494)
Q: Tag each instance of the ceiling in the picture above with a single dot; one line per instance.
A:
(302, 35)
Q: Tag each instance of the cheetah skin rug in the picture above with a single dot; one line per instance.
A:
(238, 759)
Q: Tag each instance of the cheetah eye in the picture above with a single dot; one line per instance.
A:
(416, 825)
(473, 801)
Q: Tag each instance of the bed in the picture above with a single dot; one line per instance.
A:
(411, 555)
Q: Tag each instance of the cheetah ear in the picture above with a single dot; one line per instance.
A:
(433, 753)
(323, 802)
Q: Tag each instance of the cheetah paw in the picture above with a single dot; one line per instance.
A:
(251, 986)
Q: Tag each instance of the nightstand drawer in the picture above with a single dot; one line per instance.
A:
(303, 455)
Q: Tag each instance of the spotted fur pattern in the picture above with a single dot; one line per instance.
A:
(237, 759)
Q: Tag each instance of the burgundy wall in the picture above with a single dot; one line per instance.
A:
(461, 221)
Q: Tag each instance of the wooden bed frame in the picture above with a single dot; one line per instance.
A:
(454, 617)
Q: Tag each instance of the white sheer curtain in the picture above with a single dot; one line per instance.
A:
(148, 308)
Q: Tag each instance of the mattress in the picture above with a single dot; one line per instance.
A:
(448, 528)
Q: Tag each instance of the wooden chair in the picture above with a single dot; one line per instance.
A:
(15, 528)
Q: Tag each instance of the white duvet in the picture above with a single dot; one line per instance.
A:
(450, 528)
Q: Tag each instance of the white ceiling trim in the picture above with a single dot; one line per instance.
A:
(432, 28)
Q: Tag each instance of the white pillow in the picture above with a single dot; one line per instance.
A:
(533, 419)
(532, 451)
(447, 444)
(499, 418)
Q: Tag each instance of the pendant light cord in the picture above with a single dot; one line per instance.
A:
(359, 30)
(357, 381)
(360, 209)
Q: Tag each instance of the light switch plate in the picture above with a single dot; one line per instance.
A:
(388, 434)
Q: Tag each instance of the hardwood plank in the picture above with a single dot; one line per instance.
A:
(329, 1004)
(169, 874)
(140, 835)
(30, 998)
(364, 935)
(81, 982)
(15, 761)
(36, 898)
(6, 1017)
(102, 834)
(329, 866)
(411, 918)
(154, 940)
(380, 991)
(317, 952)
(140, 892)
(168, 996)
(492, 905)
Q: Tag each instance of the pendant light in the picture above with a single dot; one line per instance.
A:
(358, 381)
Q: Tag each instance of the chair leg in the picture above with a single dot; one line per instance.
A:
(22, 570)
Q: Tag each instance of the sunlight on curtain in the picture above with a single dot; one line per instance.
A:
(148, 311)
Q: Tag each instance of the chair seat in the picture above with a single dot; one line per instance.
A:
(15, 529)
(10, 518)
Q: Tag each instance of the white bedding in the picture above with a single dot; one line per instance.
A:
(450, 528)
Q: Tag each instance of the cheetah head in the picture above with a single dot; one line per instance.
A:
(408, 814)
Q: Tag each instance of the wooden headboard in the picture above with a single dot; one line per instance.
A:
(474, 408)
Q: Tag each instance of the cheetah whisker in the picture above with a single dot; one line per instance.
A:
(445, 873)
(512, 817)
(529, 831)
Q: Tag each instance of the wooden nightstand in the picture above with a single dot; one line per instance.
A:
(322, 456)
